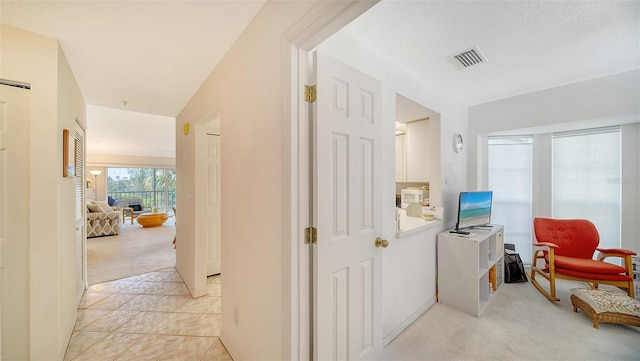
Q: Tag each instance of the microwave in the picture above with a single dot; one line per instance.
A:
(408, 196)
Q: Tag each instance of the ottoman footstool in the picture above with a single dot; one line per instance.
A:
(152, 219)
(606, 306)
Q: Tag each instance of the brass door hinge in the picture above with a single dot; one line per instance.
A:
(310, 93)
(310, 235)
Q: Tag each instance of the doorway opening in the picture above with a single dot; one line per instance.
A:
(131, 172)
(394, 322)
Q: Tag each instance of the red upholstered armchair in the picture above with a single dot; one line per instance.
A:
(566, 246)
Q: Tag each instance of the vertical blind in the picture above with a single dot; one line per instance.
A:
(587, 180)
(510, 179)
(79, 178)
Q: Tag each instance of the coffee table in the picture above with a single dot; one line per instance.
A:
(152, 219)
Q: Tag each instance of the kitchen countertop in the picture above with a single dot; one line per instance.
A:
(411, 225)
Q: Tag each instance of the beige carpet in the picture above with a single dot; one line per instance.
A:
(518, 324)
(134, 251)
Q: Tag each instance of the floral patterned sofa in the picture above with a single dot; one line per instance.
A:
(102, 220)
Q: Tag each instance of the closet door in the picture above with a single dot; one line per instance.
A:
(14, 222)
(80, 178)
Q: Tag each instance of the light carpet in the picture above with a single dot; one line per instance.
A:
(136, 250)
(518, 324)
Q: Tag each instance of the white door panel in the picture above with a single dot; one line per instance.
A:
(14, 213)
(348, 213)
(213, 205)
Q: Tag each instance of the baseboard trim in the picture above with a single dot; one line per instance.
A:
(230, 350)
(68, 332)
(406, 323)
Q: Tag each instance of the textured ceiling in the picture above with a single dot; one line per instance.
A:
(529, 45)
(155, 54)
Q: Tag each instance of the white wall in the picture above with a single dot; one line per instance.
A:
(610, 100)
(248, 91)
(631, 186)
(409, 263)
(51, 288)
(417, 151)
(71, 107)
(116, 160)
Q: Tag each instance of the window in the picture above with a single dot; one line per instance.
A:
(156, 186)
(586, 180)
(510, 179)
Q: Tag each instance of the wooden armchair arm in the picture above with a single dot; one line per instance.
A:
(545, 244)
(625, 254)
(620, 252)
(540, 253)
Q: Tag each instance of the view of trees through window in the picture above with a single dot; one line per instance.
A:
(156, 186)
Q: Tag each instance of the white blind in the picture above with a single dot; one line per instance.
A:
(79, 169)
(587, 180)
(510, 178)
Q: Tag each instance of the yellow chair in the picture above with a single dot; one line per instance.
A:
(174, 237)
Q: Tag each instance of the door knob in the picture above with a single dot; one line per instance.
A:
(381, 242)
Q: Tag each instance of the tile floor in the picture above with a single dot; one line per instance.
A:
(148, 317)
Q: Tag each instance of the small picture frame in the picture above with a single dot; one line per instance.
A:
(68, 154)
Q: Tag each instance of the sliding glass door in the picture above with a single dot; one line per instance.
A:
(156, 186)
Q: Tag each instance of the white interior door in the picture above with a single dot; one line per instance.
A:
(348, 213)
(14, 213)
(213, 204)
(79, 180)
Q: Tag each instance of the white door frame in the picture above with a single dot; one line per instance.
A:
(317, 25)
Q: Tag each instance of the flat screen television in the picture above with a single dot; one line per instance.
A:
(474, 209)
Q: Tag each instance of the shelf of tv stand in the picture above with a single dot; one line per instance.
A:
(464, 264)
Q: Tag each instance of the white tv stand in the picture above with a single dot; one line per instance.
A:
(464, 264)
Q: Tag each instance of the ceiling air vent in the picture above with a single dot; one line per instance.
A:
(468, 57)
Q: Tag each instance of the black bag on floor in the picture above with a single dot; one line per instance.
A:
(514, 268)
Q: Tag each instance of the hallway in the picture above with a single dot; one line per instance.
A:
(148, 317)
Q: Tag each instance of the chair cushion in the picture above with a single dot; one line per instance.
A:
(103, 205)
(93, 207)
(103, 215)
(608, 301)
(584, 265)
(127, 202)
(594, 276)
(574, 237)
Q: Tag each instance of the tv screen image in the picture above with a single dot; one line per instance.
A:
(474, 209)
